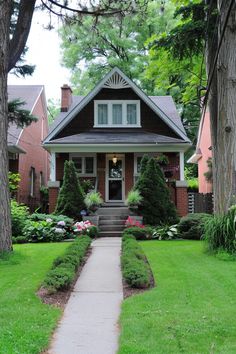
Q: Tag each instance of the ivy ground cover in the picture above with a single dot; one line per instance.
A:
(25, 322)
(192, 309)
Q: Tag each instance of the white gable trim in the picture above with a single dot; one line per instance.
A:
(97, 88)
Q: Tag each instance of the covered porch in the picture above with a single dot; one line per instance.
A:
(114, 169)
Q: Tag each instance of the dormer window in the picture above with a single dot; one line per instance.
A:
(117, 113)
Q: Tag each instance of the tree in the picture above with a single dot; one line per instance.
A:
(12, 45)
(70, 199)
(120, 41)
(156, 206)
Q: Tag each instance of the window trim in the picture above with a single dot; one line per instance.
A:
(124, 104)
(83, 156)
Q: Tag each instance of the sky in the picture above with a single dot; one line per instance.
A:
(44, 52)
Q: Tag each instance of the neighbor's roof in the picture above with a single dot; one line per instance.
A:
(28, 94)
(116, 136)
(163, 106)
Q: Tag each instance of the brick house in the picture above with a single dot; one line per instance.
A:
(107, 132)
(26, 155)
(203, 153)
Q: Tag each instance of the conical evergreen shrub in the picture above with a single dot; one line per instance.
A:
(156, 206)
(70, 199)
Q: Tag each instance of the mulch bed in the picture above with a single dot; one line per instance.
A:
(60, 298)
(128, 291)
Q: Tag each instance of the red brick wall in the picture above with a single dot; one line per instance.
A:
(53, 194)
(182, 201)
(129, 172)
(101, 174)
(36, 157)
(60, 161)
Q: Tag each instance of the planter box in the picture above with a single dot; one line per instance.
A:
(94, 219)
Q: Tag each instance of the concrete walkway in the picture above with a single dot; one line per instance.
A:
(89, 323)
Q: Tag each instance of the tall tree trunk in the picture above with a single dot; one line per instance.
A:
(5, 219)
(225, 129)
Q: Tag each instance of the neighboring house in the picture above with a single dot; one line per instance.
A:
(26, 155)
(106, 134)
(203, 153)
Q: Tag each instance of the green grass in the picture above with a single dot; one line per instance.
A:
(25, 323)
(191, 310)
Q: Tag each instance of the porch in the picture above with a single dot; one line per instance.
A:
(113, 174)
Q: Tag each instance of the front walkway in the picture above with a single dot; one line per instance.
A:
(90, 321)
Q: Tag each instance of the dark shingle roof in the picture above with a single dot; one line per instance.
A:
(118, 136)
(28, 94)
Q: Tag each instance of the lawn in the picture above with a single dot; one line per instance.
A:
(191, 310)
(25, 323)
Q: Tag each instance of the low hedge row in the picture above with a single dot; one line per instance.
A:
(64, 267)
(135, 269)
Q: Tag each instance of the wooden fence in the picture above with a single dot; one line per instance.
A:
(200, 203)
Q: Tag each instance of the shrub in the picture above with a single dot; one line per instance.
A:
(71, 199)
(93, 231)
(64, 267)
(166, 232)
(20, 239)
(144, 233)
(19, 215)
(58, 279)
(219, 231)
(156, 206)
(135, 269)
(14, 180)
(191, 226)
(193, 184)
(86, 228)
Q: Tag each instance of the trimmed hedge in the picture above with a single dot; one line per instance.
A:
(64, 267)
(135, 269)
(191, 226)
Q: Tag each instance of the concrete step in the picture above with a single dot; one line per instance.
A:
(111, 228)
(113, 217)
(110, 234)
(106, 221)
(113, 211)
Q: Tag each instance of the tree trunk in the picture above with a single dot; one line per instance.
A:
(224, 130)
(5, 219)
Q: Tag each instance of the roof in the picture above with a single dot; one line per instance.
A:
(163, 106)
(28, 94)
(117, 136)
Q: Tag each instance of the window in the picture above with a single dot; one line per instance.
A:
(32, 181)
(117, 113)
(85, 165)
(102, 114)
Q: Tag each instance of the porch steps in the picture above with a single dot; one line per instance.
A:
(112, 220)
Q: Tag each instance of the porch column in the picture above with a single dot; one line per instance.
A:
(181, 166)
(53, 167)
(53, 185)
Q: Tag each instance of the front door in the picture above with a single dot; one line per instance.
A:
(115, 179)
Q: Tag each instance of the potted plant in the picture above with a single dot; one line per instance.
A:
(93, 200)
(134, 199)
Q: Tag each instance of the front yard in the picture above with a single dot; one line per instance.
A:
(26, 323)
(192, 309)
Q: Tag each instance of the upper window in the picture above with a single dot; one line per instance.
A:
(117, 113)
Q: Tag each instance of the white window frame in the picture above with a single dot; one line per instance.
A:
(124, 104)
(32, 181)
(83, 156)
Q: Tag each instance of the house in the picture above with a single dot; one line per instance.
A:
(26, 155)
(203, 153)
(106, 134)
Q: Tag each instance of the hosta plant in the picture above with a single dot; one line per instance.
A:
(166, 232)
